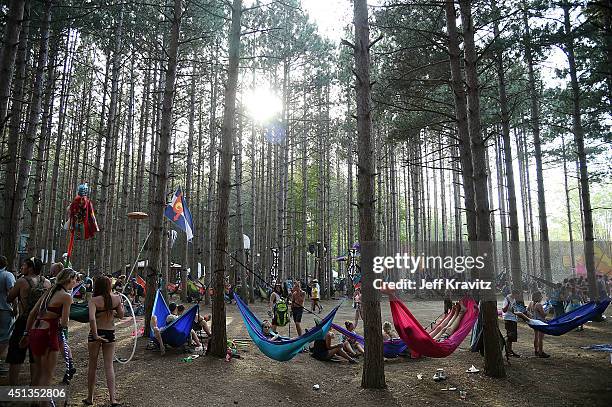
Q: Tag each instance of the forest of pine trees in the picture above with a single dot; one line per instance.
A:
(438, 123)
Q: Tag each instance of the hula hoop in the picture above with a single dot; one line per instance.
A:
(135, 331)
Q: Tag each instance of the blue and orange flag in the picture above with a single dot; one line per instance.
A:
(178, 212)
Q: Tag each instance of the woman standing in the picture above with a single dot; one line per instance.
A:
(103, 307)
(357, 305)
(46, 320)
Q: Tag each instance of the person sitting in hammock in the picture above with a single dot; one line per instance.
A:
(195, 341)
(323, 349)
(175, 311)
(388, 332)
(350, 344)
(450, 323)
(266, 328)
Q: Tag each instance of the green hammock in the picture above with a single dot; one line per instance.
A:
(79, 312)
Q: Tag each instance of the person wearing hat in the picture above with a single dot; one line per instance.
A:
(316, 295)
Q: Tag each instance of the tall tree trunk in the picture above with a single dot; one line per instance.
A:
(585, 193)
(188, 177)
(461, 114)
(165, 137)
(373, 373)
(15, 222)
(14, 18)
(537, 144)
(515, 254)
(34, 241)
(494, 365)
(218, 344)
(12, 155)
(568, 208)
(111, 124)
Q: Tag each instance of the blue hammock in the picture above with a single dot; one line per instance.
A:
(571, 320)
(392, 348)
(284, 349)
(177, 332)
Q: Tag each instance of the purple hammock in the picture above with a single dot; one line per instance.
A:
(392, 348)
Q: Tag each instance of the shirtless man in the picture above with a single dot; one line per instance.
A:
(297, 305)
(27, 290)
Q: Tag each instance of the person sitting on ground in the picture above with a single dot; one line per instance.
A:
(350, 345)
(44, 323)
(104, 306)
(324, 350)
(118, 286)
(388, 332)
(195, 341)
(200, 323)
(536, 310)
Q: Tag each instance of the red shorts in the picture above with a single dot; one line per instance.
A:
(45, 339)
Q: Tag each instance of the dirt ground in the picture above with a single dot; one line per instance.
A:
(571, 377)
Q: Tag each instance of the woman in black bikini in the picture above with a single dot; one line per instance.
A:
(103, 308)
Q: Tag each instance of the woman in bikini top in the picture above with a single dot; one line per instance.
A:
(45, 322)
(103, 308)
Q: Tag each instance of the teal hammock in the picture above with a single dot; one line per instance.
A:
(283, 349)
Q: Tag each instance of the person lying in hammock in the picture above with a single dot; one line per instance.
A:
(323, 349)
(349, 344)
(449, 323)
(388, 332)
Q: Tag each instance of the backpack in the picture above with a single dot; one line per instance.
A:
(35, 293)
(281, 312)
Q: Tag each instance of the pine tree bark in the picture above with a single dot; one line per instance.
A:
(578, 130)
(111, 124)
(218, 344)
(12, 156)
(8, 53)
(568, 207)
(15, 221)
(515, 254)
(461, 114)
(373, 373)
(537, 144)
(34, 241)
(162, 175)
(494, 365)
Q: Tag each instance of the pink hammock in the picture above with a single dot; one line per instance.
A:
(418, 339)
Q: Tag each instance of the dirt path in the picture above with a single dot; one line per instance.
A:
(570, 377)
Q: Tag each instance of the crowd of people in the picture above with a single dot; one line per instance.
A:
(34, 314)
(565, 297)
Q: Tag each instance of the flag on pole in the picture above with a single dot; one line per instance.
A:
(178, 212)
(140, 281)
